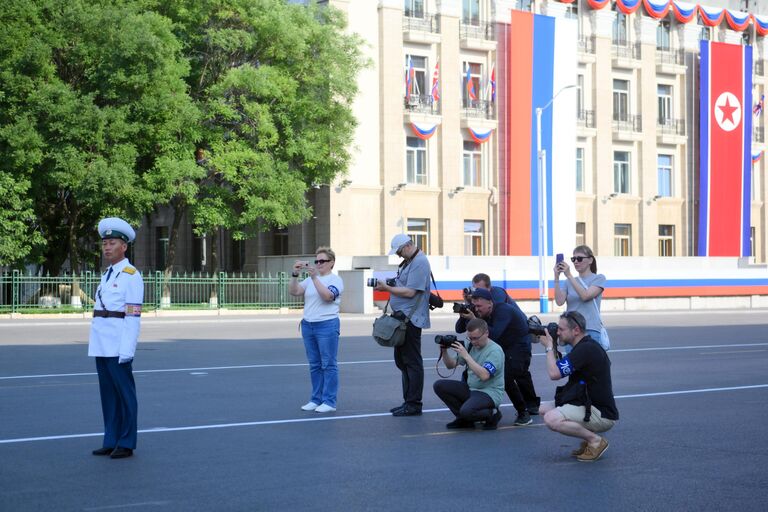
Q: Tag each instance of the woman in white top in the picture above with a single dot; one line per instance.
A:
(584, 292)
(320, 325)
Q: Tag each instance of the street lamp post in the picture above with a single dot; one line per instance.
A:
(541, 162)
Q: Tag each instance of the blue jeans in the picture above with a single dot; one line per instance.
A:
(321, 341)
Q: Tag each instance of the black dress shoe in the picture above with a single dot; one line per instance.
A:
(460, 423)
(408, 411)
(103, 451)
(397, 408)
(121, 453)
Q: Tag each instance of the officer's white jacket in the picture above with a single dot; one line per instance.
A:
(117, 337)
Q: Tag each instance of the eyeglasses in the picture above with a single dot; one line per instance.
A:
(579, 258)
(475, 338)
(319, 262)
(570, 316)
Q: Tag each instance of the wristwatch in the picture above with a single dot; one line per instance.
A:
(548, 349)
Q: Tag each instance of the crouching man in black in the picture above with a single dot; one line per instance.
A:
(479, 397)
(583, 407)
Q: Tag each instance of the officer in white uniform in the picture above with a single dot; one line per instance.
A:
(114, 334)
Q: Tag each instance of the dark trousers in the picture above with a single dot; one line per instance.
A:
(517, 380)
(464, 403)
(410, 363)
(118, 402)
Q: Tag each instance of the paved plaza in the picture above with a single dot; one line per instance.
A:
(220, 426)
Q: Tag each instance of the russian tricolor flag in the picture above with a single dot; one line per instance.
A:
(536, 61)
(725, 150)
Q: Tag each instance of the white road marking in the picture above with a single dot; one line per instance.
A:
(338, 418)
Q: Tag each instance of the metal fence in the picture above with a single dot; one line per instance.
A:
(26, 293)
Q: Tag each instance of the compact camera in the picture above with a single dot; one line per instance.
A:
(446, 341)
(461, 307)
(535, 327)
(372, 282)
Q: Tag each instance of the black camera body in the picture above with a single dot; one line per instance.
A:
(535, 327)
(446, 340)
(372, 282)
(461, 307)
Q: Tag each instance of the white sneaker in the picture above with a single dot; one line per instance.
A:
(309, 406)
(325, 408)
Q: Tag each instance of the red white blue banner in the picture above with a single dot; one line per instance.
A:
(628, 6)
(761, 24)
(738, 21)
(479, 136)
(423, 131)
(657, 8)
(725, 98)
(536, 63)
(711, 16)
(684, 12)
(757, 154)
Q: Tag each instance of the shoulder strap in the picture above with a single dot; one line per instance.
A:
(435, 284)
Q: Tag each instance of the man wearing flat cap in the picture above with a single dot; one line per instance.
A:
(508, 326)
(410, 296)
(114, 334)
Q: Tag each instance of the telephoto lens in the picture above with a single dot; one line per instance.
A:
(372, 282)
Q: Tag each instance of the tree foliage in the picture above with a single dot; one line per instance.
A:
(224, 109)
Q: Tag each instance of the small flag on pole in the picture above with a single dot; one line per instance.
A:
(409, 79)
(492, 84)
(470, 86)
(436, 82)
(758, 109)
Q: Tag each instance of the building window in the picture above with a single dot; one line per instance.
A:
(238, 255)
(161, 247)
(473, 164)
(474, 235)
(706, 32)
(414, 8)
(664, 166)
(663, 36)
(621, 100)
(620, 28)
(572, 12)
(622, 239)
(579, 96)
(621, 172)
(475, 75)
(470, 12)
(666, 240)
(754, 186)
(280, 242)
(752, 241)
(418, 230)
(664, 98)
(579, 169)
(419, 80)
(746, 38)
(581, 233)
(416, 161)
(524, 5)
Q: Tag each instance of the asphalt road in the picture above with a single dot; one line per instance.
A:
(220, 425)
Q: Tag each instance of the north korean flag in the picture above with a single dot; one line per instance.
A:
(725, 151)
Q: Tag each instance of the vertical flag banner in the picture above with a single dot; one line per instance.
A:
(725, 132)
(436, 82)
(492, 84)
(538, 61)
(470, 86)
(409, 76)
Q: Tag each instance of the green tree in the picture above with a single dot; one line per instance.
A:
(18, 235)
(94, 98)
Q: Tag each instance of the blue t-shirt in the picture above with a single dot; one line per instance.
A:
(415, 275)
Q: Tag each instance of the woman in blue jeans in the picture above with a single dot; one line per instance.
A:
(320, 326)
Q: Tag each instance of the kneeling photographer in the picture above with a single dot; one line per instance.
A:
(508, 326)
(479, 397)
(585, 405)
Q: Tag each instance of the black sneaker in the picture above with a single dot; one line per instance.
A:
(407, 411)
(493, 422)
(460, 423)
(523, 418)
(533, 410)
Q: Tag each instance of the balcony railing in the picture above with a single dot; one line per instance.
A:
(671, 126)
(628, 123)
(482, 30)
(479, 108)
(585, 118)
(424, 22)
(667, 56)
(758, 134)
(423, 103)
(625, 50)
(586, 44)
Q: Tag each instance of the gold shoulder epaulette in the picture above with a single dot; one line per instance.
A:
(129, 270)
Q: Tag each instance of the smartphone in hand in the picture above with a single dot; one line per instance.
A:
(559, 258)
